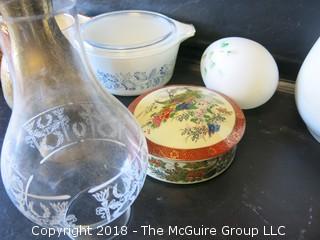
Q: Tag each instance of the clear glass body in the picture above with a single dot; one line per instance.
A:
(72, 155)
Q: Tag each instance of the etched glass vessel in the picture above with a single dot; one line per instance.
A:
(72, 155)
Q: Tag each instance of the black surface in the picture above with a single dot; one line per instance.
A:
(287, 28)
(273, 181)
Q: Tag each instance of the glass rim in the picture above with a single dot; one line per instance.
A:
(65, 8)
(129, 47)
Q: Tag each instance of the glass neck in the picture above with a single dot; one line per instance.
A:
(36, 44)
(30, 23)
(25, 8)
(44, 64)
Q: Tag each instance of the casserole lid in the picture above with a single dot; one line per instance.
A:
(188, 123)
(127, 30)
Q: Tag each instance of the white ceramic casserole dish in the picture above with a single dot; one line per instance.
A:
(132, 52)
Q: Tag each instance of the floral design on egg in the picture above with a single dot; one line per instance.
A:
(210, 57)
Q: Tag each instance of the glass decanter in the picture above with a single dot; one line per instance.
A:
(73, 155)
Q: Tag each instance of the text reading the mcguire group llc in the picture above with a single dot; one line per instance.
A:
(148, 230)
(212, 231)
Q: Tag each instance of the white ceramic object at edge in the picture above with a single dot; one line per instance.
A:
(132, 52)
(307, 91)
(242, 69)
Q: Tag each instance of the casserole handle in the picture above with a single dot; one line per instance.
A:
(83, 19)
(185, 31)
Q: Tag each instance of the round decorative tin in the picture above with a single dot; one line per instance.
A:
(192, 132)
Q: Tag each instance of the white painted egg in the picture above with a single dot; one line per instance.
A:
(242, 69)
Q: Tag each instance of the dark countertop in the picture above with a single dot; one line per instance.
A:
(274, 180)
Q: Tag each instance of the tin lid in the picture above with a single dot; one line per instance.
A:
(188, 123)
